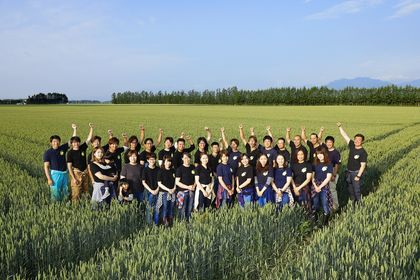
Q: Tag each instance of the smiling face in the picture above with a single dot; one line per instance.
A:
(245, 160)
(201, 145)
(224, 158)
(358, 141)
(186, 160)
(330, 144)
(133, 158)
(96, 143)
(151, 161)
(280, 160)
(297, 141)
(300, 156)
(168, 144)
(233, 145)
(215, 149)
(320, 156)
(99, 154)
(181, 145)
(148, 145)
(263, 160)
(113, 147)
(55, 143)
(280, 144)
(75, 145)
(167, 164)
(252, 142)
(204, 159)
(267, 143)
(133, 145)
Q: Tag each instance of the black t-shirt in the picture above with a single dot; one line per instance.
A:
(78, 158)
(285, 153)
(213, 162)
(115, 157)
(245, 173)
(294, 150)
(167, 178)
(177, 159)
(104, 169)
(133, 174)
(312, 150)
(234, 159)
(186, 175)
(253, 155)
(143, 155)
(356, 156)
(197, 156)
(57, 158)
(204, 174)
(300, 170)
(163, 153)
(150, 176)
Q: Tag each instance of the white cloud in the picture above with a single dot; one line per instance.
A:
(405, 8)
(343, 8)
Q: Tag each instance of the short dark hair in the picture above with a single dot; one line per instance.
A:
(148, 139)
(166, 158)
(186, 154)
(75, 139)
(329, 138)
(150, 155)
(214, 144)
(253, 137)
(314, 134)
(113, 140)
(55, 137)
(180, 140)
(360, 135)
(235, 140)
(281, 138)
(171, 139)
(123, 181)
(268, 137)
(96, 137)
(224, 152)
(132, 138)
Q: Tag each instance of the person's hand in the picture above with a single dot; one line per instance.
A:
(297, 191)
(141, 126)
(322, 129)
(241, 126)
(188, 137)
(206, 128)
(73, 125)
(288, 129)
(339, 124)
(303, 128)
(268, 128)
(317, 189)
(124, 135)
(357, 178)
(109, 132)
(75, 181)
(279, 192)
(182, 134)
(114, 178)
(91, 125)
(172, 191)
(50, 182)
(251, 129)
(222, 129)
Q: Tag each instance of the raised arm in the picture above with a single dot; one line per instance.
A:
(269, 132)
(320, 133)
(303, 134)
(343, 133)
(125, 137)
(91, 126)
(74, 127)
(242, 134)
(225, 143)
(159, 139)
(110, 134)
(288, 135)
(141, 127)
(208, 133)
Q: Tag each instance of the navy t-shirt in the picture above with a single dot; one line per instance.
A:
(253, 155)
(263, 176)
(335, 157)
(321, 171)
(280, 176)
(312, 150)
(271, 154)
(225, 171)
(245, 173)
(234, 159)
(57, 157)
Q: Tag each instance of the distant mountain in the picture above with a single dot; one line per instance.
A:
(361, 82)
(415, 83)
(365, 82)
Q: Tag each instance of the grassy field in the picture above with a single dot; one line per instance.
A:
(45, 240)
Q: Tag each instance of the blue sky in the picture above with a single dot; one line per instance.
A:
(89, 49)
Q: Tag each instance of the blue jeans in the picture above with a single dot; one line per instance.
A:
(139, 196)
(167, 208)
(354, 186)
(284, 201)
(150, 209)
(186, 209)
(322, 195)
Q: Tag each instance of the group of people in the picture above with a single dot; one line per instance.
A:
(218, 175)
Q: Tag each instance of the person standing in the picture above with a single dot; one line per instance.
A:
(77, 166)
(55, 167)
(356, 164)
(335, 158)
(185, 182)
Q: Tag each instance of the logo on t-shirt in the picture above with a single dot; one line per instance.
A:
(304, 170)
(220, 160)
(356, 156)
(231, 170)
(192, 171)
(243, 174)
(268, 155)
(251, 158)
(235, 158)
(119, 157)
(173, 175)
(61, 153)
(83, 154)
(284, 173)
(265, 173)
(324, 168)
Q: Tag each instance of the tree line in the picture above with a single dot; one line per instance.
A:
(389, 95)
(49, 98)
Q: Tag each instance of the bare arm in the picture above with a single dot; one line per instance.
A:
(343, 133)
(163, 187)
(70, 168)
(47, 173)
(208, 133)
(288, 182)
(181, 185)
(244, 184)
(225, 143)
(242, 134)
(320, 133)
(361, 170)
(303, 134)
(141, 127)
(89, 138)
(159, 139)
(125, 137)
(288, 135)
(269, 132)
(308, 179)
